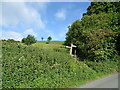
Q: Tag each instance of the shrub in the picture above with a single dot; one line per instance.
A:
(95, 36)
(29, 40)
(47, 42)
(104, 67)
(10, 40)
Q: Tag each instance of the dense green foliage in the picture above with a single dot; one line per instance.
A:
(96, 35)
(41, 66)
(98, 7)
(118, 43)
(29, 40)
(46, 66)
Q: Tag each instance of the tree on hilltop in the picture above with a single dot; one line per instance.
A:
(42, 38)
(49, 39)
(30, 39)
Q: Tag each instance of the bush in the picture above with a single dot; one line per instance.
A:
(29, 40)
(95, 36)
(97, 33)
(10, 40)
(104, 67)
(47, 42)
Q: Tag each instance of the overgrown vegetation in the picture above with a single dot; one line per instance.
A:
(96, 34)
(99, 7)
(44, 65)
(41, 66)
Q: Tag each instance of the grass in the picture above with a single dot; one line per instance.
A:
(44, 65)
(51, 42)
(51, 45)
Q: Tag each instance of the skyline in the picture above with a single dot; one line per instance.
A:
(41, 19)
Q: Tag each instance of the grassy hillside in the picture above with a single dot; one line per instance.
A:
(45, 66)
(52, 42)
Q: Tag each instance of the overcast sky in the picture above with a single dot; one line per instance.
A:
(41, 19)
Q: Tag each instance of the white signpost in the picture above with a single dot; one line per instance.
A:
(71, 49)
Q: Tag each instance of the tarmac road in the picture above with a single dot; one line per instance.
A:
(110, 81)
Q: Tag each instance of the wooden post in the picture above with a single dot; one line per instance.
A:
(75, 52)
(71, 49)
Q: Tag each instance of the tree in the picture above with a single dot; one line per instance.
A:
(42, 38)
(98, 7)
(73, 33)
(29, 40)
(49, 39)
(23, 40)
(95, 34)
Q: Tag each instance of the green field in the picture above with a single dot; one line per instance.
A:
(44, 65)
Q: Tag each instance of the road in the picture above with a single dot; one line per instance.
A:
(110, 81)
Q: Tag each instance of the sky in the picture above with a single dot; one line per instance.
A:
(41, 19)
